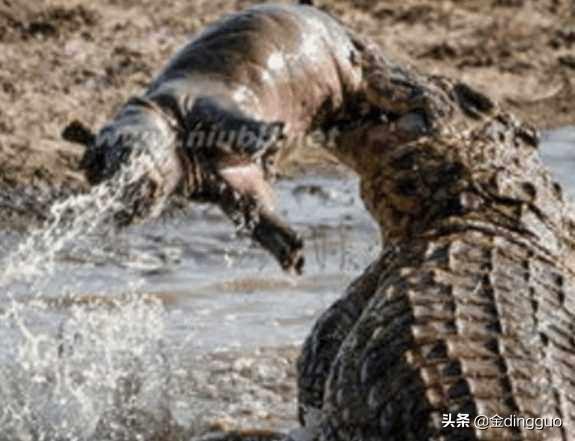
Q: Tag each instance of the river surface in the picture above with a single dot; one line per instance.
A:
(178, 322)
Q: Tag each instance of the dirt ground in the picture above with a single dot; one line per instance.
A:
(77, 59)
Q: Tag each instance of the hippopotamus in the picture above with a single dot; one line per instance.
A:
(214, 117)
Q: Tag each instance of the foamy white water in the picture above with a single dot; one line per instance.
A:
(71, 219)
(98, 369)
(104, 365)
(204, 289)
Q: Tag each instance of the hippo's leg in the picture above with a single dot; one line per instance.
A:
(265, 228)
(239, 150)
(242, 193)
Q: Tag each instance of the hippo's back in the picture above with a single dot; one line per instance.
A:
(284, 61)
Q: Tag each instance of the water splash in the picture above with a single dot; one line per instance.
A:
(104, 373)
(73, 218)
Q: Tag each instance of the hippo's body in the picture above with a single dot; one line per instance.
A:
(271, 71)
(293, 64)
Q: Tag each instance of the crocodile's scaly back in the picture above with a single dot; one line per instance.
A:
(473, 309)
(470, 322)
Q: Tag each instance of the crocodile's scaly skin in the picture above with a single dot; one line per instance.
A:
(471, 307)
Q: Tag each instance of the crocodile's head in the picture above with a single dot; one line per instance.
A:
(458, 156)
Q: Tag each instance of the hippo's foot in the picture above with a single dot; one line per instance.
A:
(282, 241)
(265, 228)
(241, 191)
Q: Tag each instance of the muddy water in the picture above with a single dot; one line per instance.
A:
(229, 292)
(224, 318)
(180, 322)
(559, 154)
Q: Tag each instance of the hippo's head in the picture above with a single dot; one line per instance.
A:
(136, 152)
(140, 130)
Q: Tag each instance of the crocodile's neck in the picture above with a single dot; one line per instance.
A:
(488, 177)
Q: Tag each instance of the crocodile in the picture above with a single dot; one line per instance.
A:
(469, 310)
